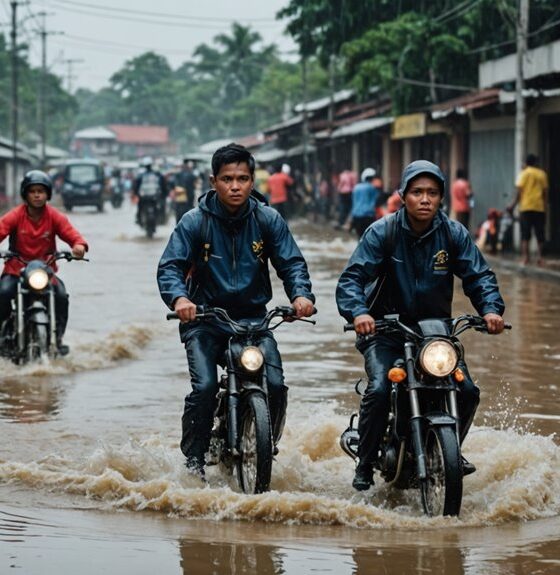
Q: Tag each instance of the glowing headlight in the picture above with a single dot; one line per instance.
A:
(38, 279)
(252, 358)
(438, 358)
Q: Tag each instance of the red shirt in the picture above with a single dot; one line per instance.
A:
(36, 240)
(460, 194)
(278, 187)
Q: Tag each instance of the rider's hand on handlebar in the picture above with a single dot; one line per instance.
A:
(494, 323)
(303, 307)
(78, 251)
(364, 324)
(185, 309)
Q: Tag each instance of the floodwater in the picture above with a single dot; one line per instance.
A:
(92, 480)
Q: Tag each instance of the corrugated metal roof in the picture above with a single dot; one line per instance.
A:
(95, 133)
(131, 134)
(361, 126)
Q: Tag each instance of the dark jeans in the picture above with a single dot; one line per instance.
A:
(8, 291)
(181, 208)
(282, 209)
(344, 207)
(361, 224)
(205, 346)
(380, 355)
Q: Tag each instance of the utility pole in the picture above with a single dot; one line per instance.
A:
(520, 120)
(70, 75)
(43, 88)
(43, 91)
(305, 124)
(15, 103)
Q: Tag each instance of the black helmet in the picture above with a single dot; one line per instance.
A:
(36, 177)
(418, 168)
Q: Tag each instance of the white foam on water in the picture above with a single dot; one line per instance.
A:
(118, 345)
(517, 478)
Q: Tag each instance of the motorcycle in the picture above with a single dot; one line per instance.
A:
(29, 333)
(241, 437)
(421, 447)
(117, 193)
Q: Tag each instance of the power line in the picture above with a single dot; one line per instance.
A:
(457, 11)
(163, 14)
(509, 42)
(130, 19)
(435, 84)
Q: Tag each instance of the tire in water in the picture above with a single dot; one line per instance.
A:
(442, 491)
(37, 344)
(254, 467)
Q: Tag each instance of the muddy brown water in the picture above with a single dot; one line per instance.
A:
(92, 481)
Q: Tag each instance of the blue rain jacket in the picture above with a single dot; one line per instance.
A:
(419, 277)
(236, 275)
(364, 196)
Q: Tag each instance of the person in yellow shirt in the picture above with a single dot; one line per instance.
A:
(532, 190)
(261, 181)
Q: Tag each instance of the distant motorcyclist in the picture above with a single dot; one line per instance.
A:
(150, 183)
(222, 247)
(183, 192)
(32, 228)
(417, 251)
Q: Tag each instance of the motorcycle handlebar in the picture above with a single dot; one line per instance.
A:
(64, 255)
(202, 312)
(476, 322)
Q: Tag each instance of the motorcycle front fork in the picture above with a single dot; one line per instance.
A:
(416, 418)
(52, 320)
(20, 328)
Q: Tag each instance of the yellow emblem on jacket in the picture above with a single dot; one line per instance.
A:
(441, 261)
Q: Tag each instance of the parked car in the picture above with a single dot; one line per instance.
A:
(83, 184)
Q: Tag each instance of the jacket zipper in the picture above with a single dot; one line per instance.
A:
(234, 263)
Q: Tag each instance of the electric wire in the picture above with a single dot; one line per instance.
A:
(162, 14)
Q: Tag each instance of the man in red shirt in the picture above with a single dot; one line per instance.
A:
(32, 228)
(278, 185)
(461, 197)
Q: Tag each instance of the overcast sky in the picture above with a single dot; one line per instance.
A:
(99, 36)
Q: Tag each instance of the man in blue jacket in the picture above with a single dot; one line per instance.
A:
(217, 256)
(426, 251)
(364, 197)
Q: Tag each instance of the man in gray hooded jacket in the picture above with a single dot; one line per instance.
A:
(218, 256)
(428, 251)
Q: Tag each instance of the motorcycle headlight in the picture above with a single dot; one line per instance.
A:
(252, 358)
(438, 358)
(38, 279)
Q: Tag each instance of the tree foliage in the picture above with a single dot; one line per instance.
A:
(60, 106)
(231, 87)
(414, 49)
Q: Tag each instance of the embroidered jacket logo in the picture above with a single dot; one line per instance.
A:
(441, 261)
(258, 249)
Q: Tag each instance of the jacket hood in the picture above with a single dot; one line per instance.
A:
(210, 203)
(421, 167)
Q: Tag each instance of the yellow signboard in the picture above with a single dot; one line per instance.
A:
(408, 126)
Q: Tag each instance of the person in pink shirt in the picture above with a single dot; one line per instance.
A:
(347, 179)
(461, 197)
(278, 185)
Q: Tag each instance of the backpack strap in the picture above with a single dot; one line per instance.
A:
(390, 239)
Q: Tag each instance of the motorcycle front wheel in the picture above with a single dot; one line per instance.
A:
(442, 490)
(254, 467)
(37, 342)
(150, 224)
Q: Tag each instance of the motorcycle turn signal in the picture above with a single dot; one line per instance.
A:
(396, 374)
